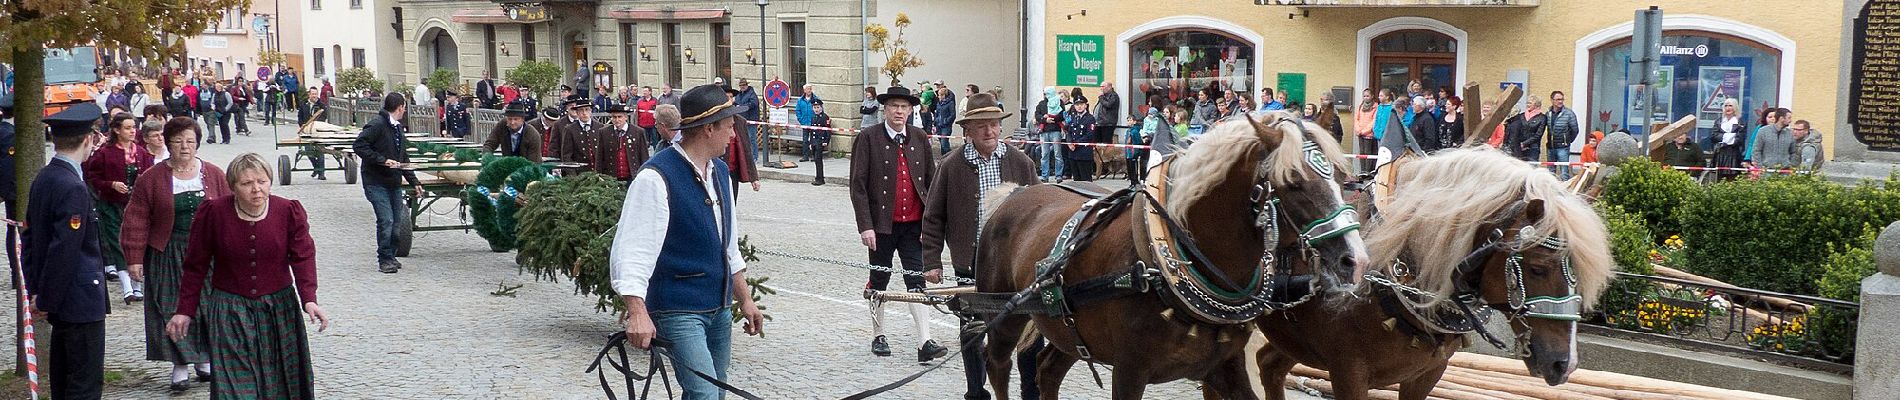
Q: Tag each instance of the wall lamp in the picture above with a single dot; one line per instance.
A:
(689, 56)
(643, 54)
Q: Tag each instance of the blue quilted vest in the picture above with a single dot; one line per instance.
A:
(691, 273)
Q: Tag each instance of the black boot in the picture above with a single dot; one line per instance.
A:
(880, 347)
(930, 351)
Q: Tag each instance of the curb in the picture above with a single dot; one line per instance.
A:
(779, 175)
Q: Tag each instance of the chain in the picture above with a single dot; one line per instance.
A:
(860, 266)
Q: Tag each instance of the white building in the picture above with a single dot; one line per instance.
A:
(231, 45)
(341, 34)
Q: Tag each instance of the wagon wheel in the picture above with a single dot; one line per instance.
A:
(405, 234)
(283, 169)
(349, 170)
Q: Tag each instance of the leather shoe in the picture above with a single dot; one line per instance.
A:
(387, 268)
(930, 351)
(880, 347)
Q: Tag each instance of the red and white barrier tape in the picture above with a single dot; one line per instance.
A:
(26, 322)
(1590, 164)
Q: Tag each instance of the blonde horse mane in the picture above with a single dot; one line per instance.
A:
(1447, 198)
(1197, 169)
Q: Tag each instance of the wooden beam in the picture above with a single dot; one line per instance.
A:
(1498, 114)
(1474, 106)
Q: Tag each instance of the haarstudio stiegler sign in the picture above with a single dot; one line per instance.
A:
(1079, 60)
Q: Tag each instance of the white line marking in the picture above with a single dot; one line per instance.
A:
(858, 304)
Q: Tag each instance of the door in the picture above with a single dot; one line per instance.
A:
(1400, 57)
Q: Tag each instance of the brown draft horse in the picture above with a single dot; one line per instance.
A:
(1471, 222)
(1213, 183)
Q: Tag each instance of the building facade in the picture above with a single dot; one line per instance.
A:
(688, 43)
(1770, 53)
(342, 34)
(232, 46)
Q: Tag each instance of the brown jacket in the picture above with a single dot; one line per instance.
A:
(148, 215)
(578, 145)
(950, 209)
(608, 141)
(874, 173)
(530, 141)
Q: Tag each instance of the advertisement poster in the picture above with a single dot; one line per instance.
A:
(1718, 84)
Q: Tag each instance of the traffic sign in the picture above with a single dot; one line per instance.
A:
(263, 73)
(777, 93)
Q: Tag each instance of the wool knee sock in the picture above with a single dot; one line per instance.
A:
(180, 372)
(126, 285)
(877, 318)
(919, 315)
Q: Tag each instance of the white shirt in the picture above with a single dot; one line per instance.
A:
(642, 230)
(1724, 126)
(196, 183)
(895, 130)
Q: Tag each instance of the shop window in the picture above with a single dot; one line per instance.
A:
(1179, 63)
(1700, 71)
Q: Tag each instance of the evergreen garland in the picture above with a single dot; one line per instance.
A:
(566, 229)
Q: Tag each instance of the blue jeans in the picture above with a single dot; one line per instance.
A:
(1560, 154)
(701, 341)
(390, 210)
(1052, 159)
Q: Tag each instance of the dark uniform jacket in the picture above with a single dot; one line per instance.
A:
(874, 173)
(455, 119)
(615, 143)
(579, 143)
(382, 141)
(63, 266)
(950, 207)
(502, 138)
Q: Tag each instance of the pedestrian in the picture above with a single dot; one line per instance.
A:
(738, 157)
(547, 126)
(266, 268)
(644, 105)
(804, 113)
(953, 219)
(820, 145)
(220, 110)
(151, 135)
(1049, 123)
(667, 96)
(138, 101)
(1561, 129)
(7, 186)
(165, 83)
(1451, 128)
(177, 105)
(485, 94)
(380, 145)
(273, 99)
(583, 79)
(158, 220)
(1272, 102)
(946, 114)
(512, 137)
(666, 118)
(1590, 143)
(869, 108)
(1807, 147)
(240, 94)
(62, 261)
(1683, 153)
(1425, 126)
(423, 95)
(675, 259)
(1730, 138)
(455, 116)
(575, 139)
(1531, 129)
(1774, 144)
(1162, 140)
(1079, 127)
(110, 173)
(890, 170)
(1108, 109)
(748, 103)
(622, 149)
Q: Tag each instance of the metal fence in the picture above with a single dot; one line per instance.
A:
(1807, 331)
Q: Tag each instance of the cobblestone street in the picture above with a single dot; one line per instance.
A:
(434, 331)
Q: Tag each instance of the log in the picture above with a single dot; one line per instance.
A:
(1461, 374)
(1498, 114)
(1534, 390)
(1779, 303)
(1662, 136)
(1448, 384)
(1324, 386)
(1607, 379)
(1437, 392)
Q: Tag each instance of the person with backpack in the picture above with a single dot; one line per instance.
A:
(218, 105)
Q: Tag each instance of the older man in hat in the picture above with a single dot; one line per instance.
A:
(623, 147)
(954, 215)
(512, 136)
(63, 266)
(577, 138)
(675, 262)
(891, 167)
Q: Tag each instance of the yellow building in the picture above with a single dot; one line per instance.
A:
(1769, 53)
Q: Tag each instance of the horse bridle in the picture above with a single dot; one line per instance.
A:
(1518, 306)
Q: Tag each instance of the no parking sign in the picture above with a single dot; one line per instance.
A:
(777, 93)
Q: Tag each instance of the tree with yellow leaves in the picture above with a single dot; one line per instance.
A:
(897, 56)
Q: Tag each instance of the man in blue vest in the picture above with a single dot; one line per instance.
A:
(63, 268)
(675, 258)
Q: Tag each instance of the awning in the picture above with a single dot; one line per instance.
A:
(495, 16)
(673, 14)
(1399, 3)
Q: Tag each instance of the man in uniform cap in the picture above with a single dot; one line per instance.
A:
(455, 116)
(675, 262)
(513, 137)
(63, 267)
(891, 167)
(623, 147)
(578, 143)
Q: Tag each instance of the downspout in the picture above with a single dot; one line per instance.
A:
(1022, 120)
(864, 20)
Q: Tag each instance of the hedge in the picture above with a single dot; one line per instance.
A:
(1629, 246)
(1774, 234)
(1651, 191)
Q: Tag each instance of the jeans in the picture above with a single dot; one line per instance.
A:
(701, 341)
(270, 114)
(1562, 155)
(804, 136)
(388, 203)
(1051, 151)
(653, 139)
(239, 115)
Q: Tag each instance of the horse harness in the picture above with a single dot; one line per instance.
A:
(1466, 310)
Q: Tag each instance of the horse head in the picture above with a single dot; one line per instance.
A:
(1302, 175)
(1541, 281)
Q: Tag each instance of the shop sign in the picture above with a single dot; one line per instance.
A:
(526, 12)
(1294, 85)
(1700, 50)
(1079, 60)
(216, 42)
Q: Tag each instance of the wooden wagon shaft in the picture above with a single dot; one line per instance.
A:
(1780, 303)
(1484, 128)
(1606, 379)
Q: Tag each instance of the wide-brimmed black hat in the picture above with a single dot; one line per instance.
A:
(551, 113)
(517, 110)
(577, 101)
(705, 104)
(615, 107)
(898, 92)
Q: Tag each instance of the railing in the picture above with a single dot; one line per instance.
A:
(1795, 329)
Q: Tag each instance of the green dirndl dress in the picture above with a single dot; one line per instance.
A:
(163, 271)
(258, 346)
(110, 217)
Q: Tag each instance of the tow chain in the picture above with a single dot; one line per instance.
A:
(861, 266)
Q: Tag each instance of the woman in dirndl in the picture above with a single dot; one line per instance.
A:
(158, 220)
(265, 279)
(110, 173)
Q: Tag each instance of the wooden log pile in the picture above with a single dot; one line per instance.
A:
(1474, 376)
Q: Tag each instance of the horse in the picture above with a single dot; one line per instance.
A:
(1234, 192)
(1473, 231)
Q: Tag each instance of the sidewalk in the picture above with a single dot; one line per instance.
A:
(838, 172)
